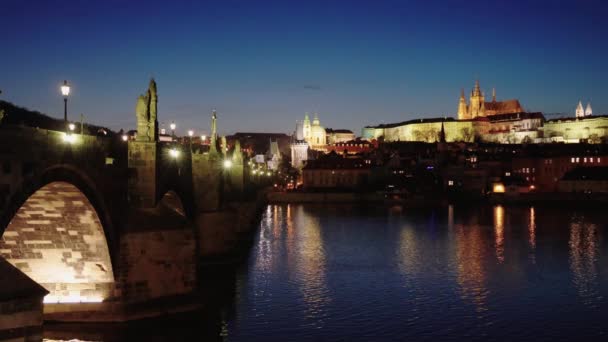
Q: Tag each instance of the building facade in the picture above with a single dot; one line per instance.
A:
(332, 171)
(593, 129)
(478, 107)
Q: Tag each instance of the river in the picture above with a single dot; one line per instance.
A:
(377, 273)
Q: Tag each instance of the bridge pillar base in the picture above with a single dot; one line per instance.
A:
(142, 180)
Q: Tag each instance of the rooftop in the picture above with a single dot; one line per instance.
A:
(403, 123)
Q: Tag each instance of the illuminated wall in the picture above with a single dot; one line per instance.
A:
(574, 129)
(57, 239)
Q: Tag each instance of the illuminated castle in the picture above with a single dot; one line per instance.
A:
(478, 107)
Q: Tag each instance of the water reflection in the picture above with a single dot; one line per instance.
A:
(499, 232)
(471, 273)
(584, 252)
(532, 234)
(409, 253)
(308, 253)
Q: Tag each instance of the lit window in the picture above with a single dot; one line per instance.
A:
(585, 160)
(578, 159)
(450, 182)
(572, 160)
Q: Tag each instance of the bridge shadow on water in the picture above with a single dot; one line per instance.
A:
(217, 293)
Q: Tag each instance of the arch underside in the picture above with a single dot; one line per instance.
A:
(57, 239)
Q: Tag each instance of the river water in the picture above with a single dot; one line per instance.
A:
(377, 273)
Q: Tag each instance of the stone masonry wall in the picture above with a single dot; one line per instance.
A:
(56, 238)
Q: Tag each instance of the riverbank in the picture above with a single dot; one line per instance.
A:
(420, 200)
(350, 197)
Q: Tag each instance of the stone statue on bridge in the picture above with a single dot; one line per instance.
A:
(237, 154)
(224, 145)
(1, 115)
(145, 112)
(213, 140)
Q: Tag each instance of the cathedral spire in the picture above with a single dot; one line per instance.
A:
(493, 94)
(462, 106)
(588, 110)
(476, 90)
(579, 110)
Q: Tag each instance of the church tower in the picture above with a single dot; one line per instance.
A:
(462, 107)
(588, 110)
(477, 102)
(579, 110)
(306, 128)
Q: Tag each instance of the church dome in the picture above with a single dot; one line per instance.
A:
(318, 135)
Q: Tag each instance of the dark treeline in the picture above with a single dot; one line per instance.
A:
(15, 115)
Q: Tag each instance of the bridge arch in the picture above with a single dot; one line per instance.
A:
(57, 230)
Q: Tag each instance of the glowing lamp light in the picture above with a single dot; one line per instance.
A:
(190, 133)
(174, 153)
(532, 187)
(125, 137)
(71, 126)
(50, 299)
(69, 138)
(267, 173)
(498, 188)
(203, 137)
(172, 125)
(65, 89)
(227, 163)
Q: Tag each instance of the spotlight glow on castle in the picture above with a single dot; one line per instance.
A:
(505, 122)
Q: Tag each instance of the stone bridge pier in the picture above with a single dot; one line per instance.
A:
(116, 230)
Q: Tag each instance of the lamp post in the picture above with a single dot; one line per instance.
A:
(172, 130)
(65, 91)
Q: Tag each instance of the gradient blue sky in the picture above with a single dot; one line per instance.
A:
(263, 64)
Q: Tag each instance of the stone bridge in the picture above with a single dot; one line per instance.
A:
(110, 226)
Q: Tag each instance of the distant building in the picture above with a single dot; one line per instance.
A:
(580, 113)
(335, 136)
(585, 179)
(352, 147)
(478, 107)
(254, 143)
(274, 156)
(299, 153)
(331, 171)
(592, 129)
(513, 128)
(427, 130)
(546, 171)
(314, 134)
(299, 147)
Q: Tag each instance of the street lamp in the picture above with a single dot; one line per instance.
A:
(71, 126)
(172, 129)
(190, 134)
(227, 163)
(65, 91)
(203, 138)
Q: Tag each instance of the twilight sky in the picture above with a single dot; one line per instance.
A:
(263, 64)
